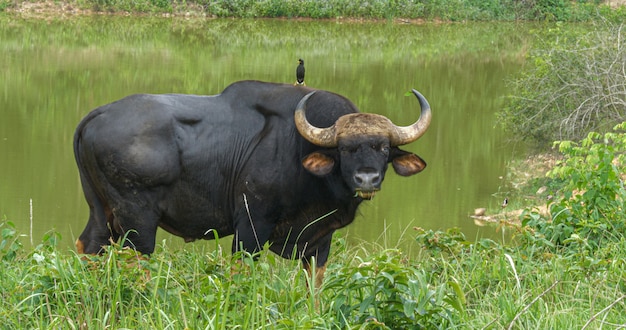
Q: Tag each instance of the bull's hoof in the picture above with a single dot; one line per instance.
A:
(80, 247)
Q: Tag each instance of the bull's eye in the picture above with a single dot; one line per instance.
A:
(384, 149)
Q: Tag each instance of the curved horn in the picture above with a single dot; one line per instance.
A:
(408, 134)
(323, 137)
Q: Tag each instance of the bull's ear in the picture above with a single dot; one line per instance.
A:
(408, 164)
(318, 163)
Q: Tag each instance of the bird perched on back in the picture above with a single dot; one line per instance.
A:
(300, 73)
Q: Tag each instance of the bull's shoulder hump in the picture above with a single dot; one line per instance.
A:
(184, 108)
(167, 100)
(191, 109)
(156, 110)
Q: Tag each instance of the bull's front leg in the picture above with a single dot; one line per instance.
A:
(251, 232)
(315, 272)
(314, 260)
(252, 228)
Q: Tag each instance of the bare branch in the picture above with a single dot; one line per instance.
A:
(517, 316)
(595, 316)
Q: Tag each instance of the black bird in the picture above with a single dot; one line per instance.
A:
(300, 73)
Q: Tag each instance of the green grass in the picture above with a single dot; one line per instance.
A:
(453, 283)
(197, 289)
(523, 287)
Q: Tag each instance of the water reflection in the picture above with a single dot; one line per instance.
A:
(56, 72)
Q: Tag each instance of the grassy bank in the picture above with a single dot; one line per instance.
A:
(459, 10)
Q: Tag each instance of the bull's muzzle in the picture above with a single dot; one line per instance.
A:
(367, 182)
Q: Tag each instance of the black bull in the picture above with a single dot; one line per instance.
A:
(247, 162)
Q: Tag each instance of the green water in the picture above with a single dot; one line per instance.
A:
(55, 72)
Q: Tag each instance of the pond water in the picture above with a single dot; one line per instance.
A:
(55, 72)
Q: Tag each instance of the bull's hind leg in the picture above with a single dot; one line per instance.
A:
(136, 219)
(139, 231)
(97, 233)
(117, 216)
(136, 228)
(118, 213)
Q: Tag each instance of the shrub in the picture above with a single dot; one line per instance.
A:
(588, 217)
(575, 83)
(385, 292)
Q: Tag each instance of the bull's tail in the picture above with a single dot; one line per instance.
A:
(78, 137)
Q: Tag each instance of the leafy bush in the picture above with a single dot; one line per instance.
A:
(588, 218)
(575, 83)
(386, 292)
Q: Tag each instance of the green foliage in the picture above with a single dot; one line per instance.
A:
(587, 220)
(553, 10)
(594, 193)
(525, 286)
(575, 83)
(385, 292)
(314, 9)
(452, 241)
(9, 245)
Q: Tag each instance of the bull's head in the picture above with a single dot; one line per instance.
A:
(366, 143)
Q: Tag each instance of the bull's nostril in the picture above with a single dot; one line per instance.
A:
(376, 178)
(358, 178)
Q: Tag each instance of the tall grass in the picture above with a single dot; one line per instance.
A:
(202, 288)
(451, 284)
(523, 287)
